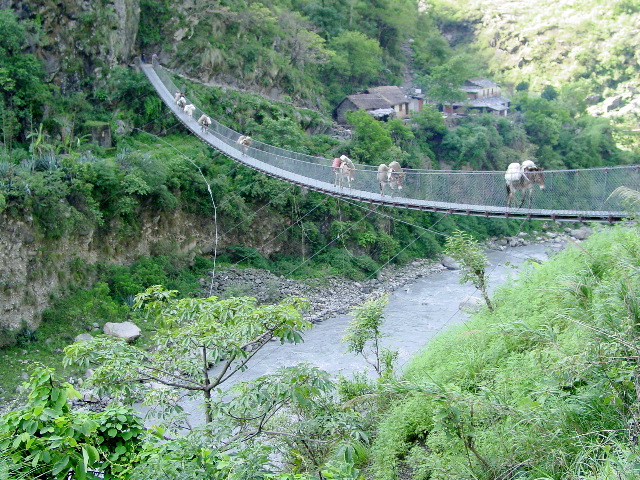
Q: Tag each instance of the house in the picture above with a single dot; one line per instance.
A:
(396, 97)
(483, 96)
(387, 102)
(381, 103)
(416, 100)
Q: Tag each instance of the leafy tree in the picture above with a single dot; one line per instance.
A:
(22, 88)
(357, 60)
(200, 345)
(281, 132)
(401, 135)
(330, 16)
(388, 21)
(371, 139)
(463, 248)
(304, 46)
(430, 48)
(442, 83)
(428, 125)
(365, 332)
(549, 93)
(588, 142)
(47, 439)
(200, 332)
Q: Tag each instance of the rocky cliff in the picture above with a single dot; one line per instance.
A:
(33, 271)
(80, 40)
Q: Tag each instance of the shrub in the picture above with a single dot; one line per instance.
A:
(246, 256)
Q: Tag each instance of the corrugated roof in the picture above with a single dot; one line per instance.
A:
(392, 93)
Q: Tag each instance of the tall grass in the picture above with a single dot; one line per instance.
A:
(543, 387)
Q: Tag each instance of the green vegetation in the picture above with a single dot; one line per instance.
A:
(201, 332)
(47, 439)
(542, 387)
(466, 250)
(86, 309)
(293, 412)
(364, 336)
(581, 53)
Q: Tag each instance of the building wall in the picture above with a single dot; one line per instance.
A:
(345, 106)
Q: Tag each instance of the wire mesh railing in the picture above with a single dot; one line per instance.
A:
(568, 195)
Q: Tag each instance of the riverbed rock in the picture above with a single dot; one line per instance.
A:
(449, 263)
(126, 330)
(83, 337)
(471, 303)
(580, 233)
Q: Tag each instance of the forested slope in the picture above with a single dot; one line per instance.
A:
(584, 49)
(103, 195)
(92, 165)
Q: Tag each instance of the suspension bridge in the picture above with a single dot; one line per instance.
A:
(570, 195)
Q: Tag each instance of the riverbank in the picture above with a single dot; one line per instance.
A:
(333, 296)
(330, 299)
(421, 306)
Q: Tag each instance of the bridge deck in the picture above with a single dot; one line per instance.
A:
(421, 186)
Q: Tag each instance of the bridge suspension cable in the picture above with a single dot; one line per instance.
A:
(570, 195)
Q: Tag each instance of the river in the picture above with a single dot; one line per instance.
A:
(414, 315)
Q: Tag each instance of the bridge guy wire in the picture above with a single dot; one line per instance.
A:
(236, 165)
(282, 232)
(520, 227)
(213, 202)
(475, 291)
(395, 219)
(335, 239)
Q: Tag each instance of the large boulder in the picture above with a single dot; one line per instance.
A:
(83, 337)
(470, 303)
(580, 233)
(449, 263)
(126, 330)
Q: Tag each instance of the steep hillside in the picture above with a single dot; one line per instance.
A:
(79, 42)
(588, 46)
(85, 196)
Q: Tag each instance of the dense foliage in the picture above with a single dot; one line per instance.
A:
(46, 438)
(542, 387)
(580, 53)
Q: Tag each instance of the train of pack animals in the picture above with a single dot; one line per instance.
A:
(519, 177)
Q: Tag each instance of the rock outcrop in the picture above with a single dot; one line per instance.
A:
(82, 39)
(128, 331)
(34, 269)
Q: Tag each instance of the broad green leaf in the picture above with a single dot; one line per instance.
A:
(60, 465)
